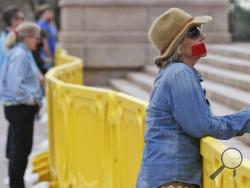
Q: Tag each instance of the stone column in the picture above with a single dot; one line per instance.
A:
(111, 35)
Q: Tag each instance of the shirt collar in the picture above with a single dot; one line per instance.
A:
(198, 74)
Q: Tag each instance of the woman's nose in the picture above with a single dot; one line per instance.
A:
(202, 37)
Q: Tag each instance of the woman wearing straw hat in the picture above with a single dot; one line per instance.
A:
(20, 94)
(178, 114)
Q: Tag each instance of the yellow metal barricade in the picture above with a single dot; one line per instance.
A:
(211, 151)
(59, 105)
(96, 136)
(127, 138)
(88, 156)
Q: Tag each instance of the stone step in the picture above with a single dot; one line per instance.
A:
(134, 88)
(240, 50)
(242, 143)
(219, 109)
(143, 80)
(226, 77)
(232, 97)
(151, 70)
(228, 63)
(130, 88)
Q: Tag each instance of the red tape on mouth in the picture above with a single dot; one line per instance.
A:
(199, 49)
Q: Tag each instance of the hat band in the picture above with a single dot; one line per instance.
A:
(167, 45)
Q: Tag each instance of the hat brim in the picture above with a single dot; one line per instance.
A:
(199, 20)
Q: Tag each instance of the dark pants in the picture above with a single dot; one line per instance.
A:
(19, 143)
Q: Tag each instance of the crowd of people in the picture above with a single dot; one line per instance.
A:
(27, 50)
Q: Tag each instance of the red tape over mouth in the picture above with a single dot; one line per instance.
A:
(199, 49)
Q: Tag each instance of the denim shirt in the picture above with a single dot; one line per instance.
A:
(19, 82)
(3, 50)
(51, 32)
(178, 116)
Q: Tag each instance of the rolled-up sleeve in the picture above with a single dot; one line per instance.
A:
(193, 115)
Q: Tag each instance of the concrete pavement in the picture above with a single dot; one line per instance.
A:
(3, 135)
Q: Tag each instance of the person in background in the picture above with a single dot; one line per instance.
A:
(178, 114)
(20, 94)
(42, 46)
(45, 16)
(12, 17)
(41, 63)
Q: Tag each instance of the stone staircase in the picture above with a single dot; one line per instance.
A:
(226, 71)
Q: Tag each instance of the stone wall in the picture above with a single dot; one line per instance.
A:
(111, 35)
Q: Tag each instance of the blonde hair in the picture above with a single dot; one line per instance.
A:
(23, 30)
(176, 55)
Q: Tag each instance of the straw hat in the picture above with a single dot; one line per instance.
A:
(168, 30)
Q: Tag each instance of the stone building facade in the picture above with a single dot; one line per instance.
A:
(111, 35)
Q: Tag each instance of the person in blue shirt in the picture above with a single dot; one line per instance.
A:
(20, 93)
(45, 18)
(12, 17)
(178, 114)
